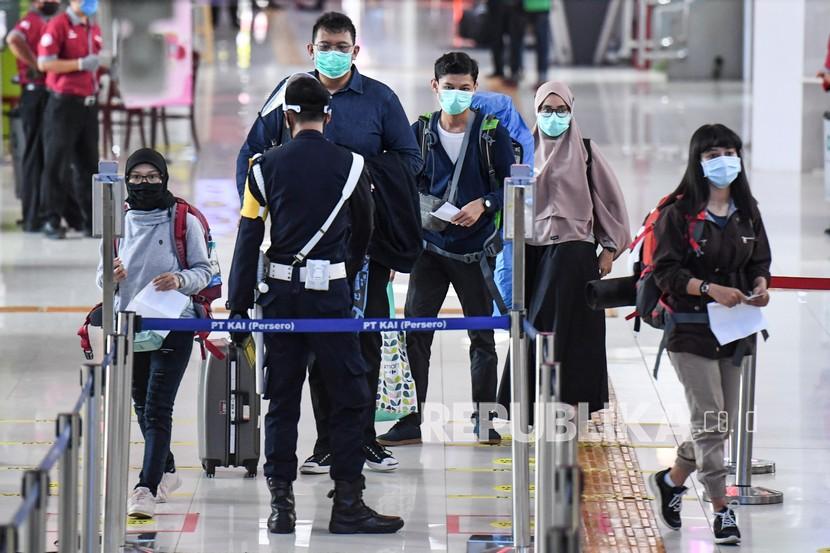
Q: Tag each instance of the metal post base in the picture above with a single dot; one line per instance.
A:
(494, 543)
(756, 495)
(759, 466)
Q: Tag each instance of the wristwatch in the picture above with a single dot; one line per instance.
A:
(488, 205)
(704, 288)
(180, 278)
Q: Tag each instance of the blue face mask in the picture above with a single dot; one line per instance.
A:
(333, 64)
(721, 171)
(552, 124)
(89, 7)
(455, 102)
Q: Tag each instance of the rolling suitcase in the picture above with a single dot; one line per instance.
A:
(229, 408)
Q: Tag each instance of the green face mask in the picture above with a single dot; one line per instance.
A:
(333, 64)
(455, 102)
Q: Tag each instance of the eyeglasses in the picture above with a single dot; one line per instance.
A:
(342, 47)
(153, 178)
(560, 111)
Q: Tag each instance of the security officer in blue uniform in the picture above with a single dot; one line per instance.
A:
(319, 200)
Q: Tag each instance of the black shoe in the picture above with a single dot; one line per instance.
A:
(349, 515)
(54, 232)
(492, 438)
(283, 516)
(726, 528)
(669, 497)
(403, 433)
(319, 463)
(379, 459)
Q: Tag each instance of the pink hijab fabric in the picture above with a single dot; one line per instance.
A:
(566, 207)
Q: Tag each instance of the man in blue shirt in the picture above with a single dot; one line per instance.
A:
(457, 179)
(368, 119)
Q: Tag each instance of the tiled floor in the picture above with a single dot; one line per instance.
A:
(445, 491)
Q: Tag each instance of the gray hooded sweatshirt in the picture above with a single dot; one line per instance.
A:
(147, 250)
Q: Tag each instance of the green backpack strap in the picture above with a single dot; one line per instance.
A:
(487, 147)
(424, 130)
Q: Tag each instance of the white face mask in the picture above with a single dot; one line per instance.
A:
(722, 171)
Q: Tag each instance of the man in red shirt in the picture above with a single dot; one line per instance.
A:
(23, 41)
(68, 54)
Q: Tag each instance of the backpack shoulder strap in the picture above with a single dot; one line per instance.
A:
(179, 227)
(590, 163)
(425, 132)
(487, 148)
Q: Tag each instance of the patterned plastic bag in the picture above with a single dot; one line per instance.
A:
(396, 397)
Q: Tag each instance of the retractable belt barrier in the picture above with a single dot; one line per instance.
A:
(27, 529)
(270, 326)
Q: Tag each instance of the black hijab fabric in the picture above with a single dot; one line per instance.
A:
(145, 196)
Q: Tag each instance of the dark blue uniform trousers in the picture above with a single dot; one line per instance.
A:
(342, 369)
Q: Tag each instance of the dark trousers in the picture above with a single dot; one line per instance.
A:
(499, 29)
(156, 379)
(342, 372)
(428, 285)
(539, 21)
(70, 136)
(32, 106)
(377, 307)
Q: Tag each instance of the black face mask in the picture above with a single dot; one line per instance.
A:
(147, 197)
(48, 9)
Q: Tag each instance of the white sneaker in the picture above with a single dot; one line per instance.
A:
(141, 503)
(170, 482)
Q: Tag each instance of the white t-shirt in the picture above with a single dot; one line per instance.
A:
(451, 141)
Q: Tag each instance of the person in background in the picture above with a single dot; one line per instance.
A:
(23, 41)
(732, 266)
(368, 119)
(147, 257)
(579, 209)
(465, 249)
(824, 75)
(501, 14)
(68, 54)
(535, 13)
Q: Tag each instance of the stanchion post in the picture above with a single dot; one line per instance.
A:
(107, 220)
(518, 375)
(743, 492)
(36, 481)
(8, 538)
(126, 327)
(112, 539)
(68, 480)
(90, 542)
(544, 444)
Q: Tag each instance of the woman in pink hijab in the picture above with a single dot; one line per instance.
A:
(581, 227)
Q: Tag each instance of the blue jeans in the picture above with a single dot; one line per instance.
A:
(156, 379)
(504, 276)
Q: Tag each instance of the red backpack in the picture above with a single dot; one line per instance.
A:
(202, 300)
(651, 306)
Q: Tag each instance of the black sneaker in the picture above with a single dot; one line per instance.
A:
(54, 232)
(403, 433)
(669, 497)
(379, 459)
(726, 528)
(492, 438)
(319, 463)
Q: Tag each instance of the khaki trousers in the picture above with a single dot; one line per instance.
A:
(712, 391)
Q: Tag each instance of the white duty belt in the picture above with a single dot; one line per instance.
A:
(278, 271)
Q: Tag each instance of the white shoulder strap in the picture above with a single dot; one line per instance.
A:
(348, 189)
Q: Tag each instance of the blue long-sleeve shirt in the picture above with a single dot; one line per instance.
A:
(367, 118)
(473, 183)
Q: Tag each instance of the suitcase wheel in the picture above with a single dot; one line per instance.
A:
(251, 467)
(210, 468)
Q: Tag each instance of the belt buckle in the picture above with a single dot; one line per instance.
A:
(90, 101)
